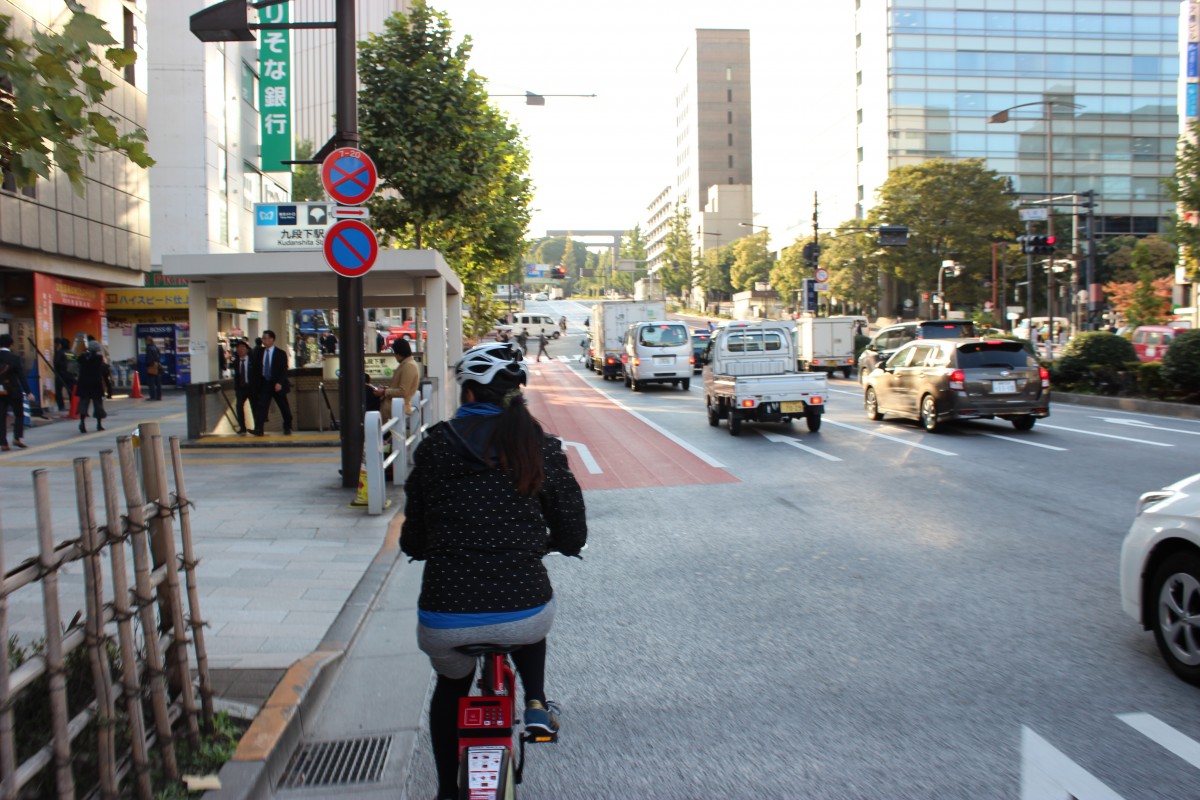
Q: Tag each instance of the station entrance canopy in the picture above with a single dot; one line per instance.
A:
(297, 280)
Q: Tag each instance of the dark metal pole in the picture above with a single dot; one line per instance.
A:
(350, 294)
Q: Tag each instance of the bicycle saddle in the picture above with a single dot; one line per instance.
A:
(476, 650)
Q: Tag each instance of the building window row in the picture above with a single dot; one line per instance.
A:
(987, 103)
(1049, 25)
(1036, 65)
(1011, 145)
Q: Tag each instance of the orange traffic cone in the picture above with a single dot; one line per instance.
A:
(74, 413)
(136, 391)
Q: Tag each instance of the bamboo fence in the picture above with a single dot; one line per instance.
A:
(155, 694)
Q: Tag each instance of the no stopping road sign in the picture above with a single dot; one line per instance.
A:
(350, 248)
(348, 174)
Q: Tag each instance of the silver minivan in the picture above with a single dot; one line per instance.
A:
(657, 352)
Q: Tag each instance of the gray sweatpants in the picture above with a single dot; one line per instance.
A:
(439, 643)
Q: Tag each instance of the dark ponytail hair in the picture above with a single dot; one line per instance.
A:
(517, 439)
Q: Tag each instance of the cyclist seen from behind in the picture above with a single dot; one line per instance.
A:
(489, 495)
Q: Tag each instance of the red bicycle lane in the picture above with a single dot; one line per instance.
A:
(609, 447)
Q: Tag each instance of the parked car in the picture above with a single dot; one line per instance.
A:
(700, 338)
(1160, 573)
(936, 380)
(1150, 342)
(888, 340)
(405, 330)
(541, 296)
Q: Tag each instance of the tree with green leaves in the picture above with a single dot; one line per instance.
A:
(751, 261)
(1146, 301)
(57, 81)
(1118, 264)
(954, 210)
(676, 269)
(306, 178)
(1185, 191)
(459, 167)
(851, 257)
(713, 272)
(633, 248)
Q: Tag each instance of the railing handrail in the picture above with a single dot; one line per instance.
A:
(407, 432)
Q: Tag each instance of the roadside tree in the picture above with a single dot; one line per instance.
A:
(1146, 301)
(852, 258)
(306, 178)
(676, 269)
(1185, 191)
(51, 84)
(751, 262)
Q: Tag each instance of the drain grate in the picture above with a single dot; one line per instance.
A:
(338, 763)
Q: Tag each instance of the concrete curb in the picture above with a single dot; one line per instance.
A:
(265, 749)
(1134, 404)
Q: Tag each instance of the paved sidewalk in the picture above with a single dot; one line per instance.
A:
(280, 550)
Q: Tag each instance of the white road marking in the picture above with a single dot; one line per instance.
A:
(1137, 423)
(1047, 774)
(775, 437)
(1016, 440)
(859, 393)
(698, 453)
(1163, 734)
(1107, 436)
(892, 438)
(585, 455)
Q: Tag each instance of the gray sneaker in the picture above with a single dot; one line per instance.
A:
(541, 717)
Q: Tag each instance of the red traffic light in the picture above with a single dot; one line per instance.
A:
(1050, 239)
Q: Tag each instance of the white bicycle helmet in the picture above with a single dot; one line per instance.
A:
(483, 362)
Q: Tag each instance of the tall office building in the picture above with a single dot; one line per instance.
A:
(1097, 78)
(714, 165)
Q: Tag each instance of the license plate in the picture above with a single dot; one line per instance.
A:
(1004, 387)
(791, 406)
(664, 360)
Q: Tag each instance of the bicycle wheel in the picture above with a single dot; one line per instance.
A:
(487, 773)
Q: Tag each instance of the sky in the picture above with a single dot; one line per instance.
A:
(598, 162)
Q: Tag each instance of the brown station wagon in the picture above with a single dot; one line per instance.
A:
(935, 380)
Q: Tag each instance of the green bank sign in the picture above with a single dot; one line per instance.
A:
(275, 89)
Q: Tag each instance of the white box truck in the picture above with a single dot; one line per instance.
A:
(825, 344)
(606, 331)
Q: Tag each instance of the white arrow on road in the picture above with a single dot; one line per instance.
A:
(585, 455)
(775, 437)
(1137, 423)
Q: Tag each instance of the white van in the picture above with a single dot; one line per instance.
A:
(657, 352)
(535, 322)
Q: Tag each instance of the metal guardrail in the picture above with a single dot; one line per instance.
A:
(407, 433)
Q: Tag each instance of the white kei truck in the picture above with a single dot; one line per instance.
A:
(750, 376)
(606, 332)
(826, 344)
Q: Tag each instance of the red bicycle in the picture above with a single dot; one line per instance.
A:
(490, 767)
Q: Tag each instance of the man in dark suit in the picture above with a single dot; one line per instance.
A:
(247, 382)
(13, 391)
(273, 367)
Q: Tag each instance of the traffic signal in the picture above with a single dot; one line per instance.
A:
(559, 273)
(893, 235)
(1037, 245)
(812, 254)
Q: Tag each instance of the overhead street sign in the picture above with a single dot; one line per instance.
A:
(349, 176)
(1034, 214)
(350, 248)
(283, 227)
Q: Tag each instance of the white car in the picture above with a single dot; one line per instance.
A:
(1160, 573)
(541, 296)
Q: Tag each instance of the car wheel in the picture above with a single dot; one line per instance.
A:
(1024, 423)
(627, 382)
(685, 384)
(871, 403)
(635, 385)
(929, 418)
(714, 415)
(814, 422)
(1175, 595)
(846, 372)
(735, 422)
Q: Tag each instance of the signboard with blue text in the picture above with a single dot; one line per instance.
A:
(275, 89)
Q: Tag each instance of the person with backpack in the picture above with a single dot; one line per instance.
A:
(93, 375)
(13, 392)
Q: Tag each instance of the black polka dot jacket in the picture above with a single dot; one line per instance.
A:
(483, 542)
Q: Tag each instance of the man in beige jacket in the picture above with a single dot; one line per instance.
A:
(405, 380)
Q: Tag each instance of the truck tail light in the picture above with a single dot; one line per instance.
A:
(956, 380)
(1045, 376)
(816, 401)
(637, 362)
(748, 403)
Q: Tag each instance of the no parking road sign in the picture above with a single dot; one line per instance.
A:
(349, 176)
(350, 248)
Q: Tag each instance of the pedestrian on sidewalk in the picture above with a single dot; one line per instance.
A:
(523, 341)
(92, 376)
(542, 341)
(13, 390)
(246, 385)
(153, 369)
(405, 381)
(489, 495)
(273, 366)
(64, 381)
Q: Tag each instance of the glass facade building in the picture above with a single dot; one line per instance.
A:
(1097, 79)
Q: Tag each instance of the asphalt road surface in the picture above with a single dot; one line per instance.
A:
(866, 612)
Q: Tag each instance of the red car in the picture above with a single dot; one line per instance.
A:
(404, 331)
